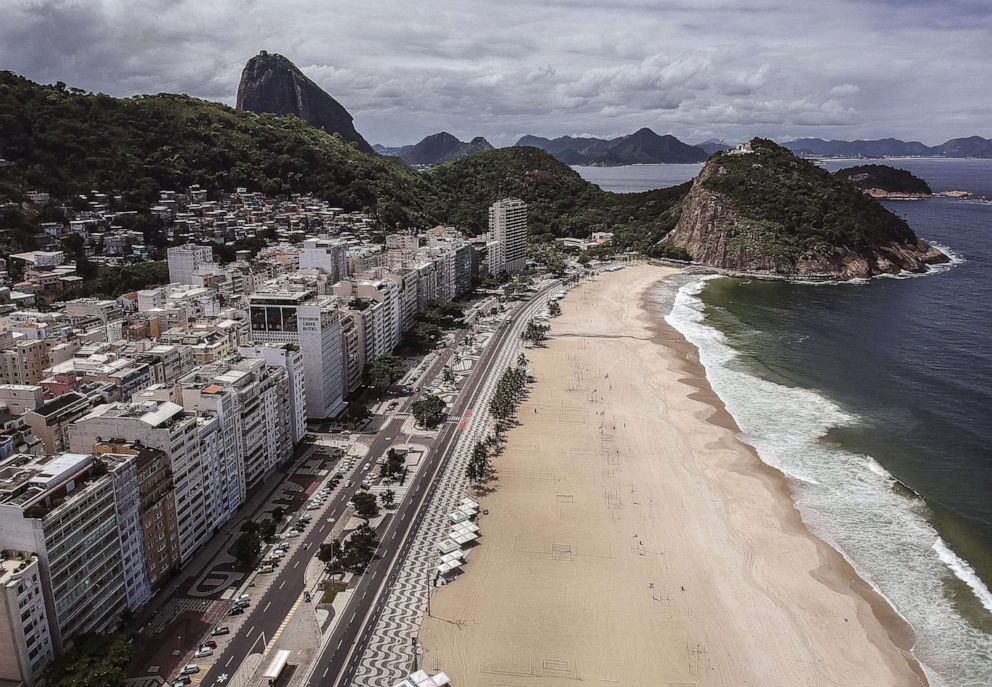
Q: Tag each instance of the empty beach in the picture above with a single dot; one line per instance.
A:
(633, 539)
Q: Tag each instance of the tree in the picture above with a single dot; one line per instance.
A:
(447, 375)
(444, 314)
(330, 554)
(384, 371)
(267, 529)
(360, 547)
(387, 498)
(428, 410)
(278, 513)
(422, 337)
(394, 464)
(247, 547)
(554, 309)
(365, 505)
(535, 333)
(92, 660)
(479, 466)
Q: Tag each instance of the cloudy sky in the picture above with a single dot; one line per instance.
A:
(914, 69)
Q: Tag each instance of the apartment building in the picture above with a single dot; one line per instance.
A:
(508, 226)
(314, 324)
(25, 641)
(208, 482)
(50, 421)
(289, 357)
(64, 508)
(23, 362)
(253, 398)
(330, 256)
(185, 261)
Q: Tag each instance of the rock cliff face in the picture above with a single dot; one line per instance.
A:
(768, 212)
(272, 84)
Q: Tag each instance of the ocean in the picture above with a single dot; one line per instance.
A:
(875, 399)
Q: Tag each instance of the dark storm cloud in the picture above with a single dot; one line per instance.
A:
(698, 68)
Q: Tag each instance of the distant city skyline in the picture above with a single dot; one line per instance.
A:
(698, 69)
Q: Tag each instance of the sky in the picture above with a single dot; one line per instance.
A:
(699, 69)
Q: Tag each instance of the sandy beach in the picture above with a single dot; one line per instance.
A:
(632, 539)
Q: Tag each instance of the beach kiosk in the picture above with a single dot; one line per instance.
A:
(422, 679)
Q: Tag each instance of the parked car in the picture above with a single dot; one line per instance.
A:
(210, 643)
(222, 630)
(293, 533)
(203, 652)
(351, 483)
(243, 597)
(181, 681)
(190, 669)
(237, 610)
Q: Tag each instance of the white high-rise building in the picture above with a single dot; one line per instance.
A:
(202, 455)
(327, 255)
(290, 358)
(314, 324)
(185, 261)
(508, 226)
(253, 398)
(77, 513)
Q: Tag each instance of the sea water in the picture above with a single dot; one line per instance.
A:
(875, 400)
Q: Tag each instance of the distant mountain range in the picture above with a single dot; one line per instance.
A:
(643, 146)
(972, 146)
(435, 149)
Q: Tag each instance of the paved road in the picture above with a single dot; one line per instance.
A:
(336, 665)
(351, 632)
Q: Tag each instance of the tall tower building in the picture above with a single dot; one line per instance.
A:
(508, 227)
(314, 324)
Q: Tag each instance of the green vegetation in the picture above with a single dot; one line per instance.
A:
(789, 207)
(554, 309)
(428, 410)
(535, 332)
(353, 555)
(330, 555)
(384, 371)
(248, 544)
(330, 589)
(93, 660)
(365, 505)
(68, 143)
(111, 282)
(479, 467)
(560, 202)
(394, 465)
(387, 498)
(885, 178)
(357, 552)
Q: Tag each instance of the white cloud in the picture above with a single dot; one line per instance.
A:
(700, 68)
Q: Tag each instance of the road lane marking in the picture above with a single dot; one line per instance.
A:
(266, 607)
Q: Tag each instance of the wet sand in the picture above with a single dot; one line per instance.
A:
(632, 539)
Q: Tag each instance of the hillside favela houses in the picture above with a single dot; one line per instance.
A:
(134, 425)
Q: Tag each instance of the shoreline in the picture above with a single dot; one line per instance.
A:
(741, 592)
(836, 571)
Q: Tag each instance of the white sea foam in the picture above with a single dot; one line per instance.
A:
(964, 572)
(846, 498)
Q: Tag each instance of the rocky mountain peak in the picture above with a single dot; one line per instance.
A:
(271, 83)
